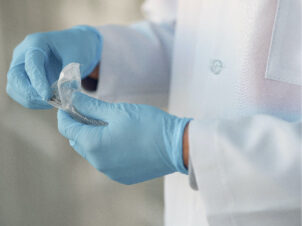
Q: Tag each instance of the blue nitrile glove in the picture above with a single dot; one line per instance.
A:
(39, 58)
(139, 143)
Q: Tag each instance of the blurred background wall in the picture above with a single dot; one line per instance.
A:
(42, 180)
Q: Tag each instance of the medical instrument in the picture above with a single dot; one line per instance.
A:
(63, 89)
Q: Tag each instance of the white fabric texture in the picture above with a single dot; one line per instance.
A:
(249, 172)
(286, 67)
(245, 141)
(136, 63)
(160, 11)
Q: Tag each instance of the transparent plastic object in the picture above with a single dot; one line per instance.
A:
(68, 83)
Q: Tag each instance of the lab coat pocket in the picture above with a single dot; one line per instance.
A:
(284, 61)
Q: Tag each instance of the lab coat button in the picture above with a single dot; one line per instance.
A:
(216, 67)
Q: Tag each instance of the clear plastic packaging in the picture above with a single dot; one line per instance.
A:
(68, 83)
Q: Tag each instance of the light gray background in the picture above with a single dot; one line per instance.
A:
(42, 180)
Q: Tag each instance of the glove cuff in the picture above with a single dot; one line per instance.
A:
(177, 150)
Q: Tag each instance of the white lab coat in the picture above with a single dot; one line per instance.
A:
(235, 67)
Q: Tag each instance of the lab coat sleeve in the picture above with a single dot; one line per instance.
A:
(248, 170)
(136, 62)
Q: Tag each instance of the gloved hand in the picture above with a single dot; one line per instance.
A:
(39, 58)
(139, 143)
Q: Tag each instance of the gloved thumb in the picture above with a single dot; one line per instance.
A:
(91, 107)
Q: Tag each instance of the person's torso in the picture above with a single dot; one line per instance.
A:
(231, 59)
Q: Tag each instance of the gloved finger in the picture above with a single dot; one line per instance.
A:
(20, 89)
(92, 107)
(77, 133)
(67, 126)
(70, 129)
(35, 69)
